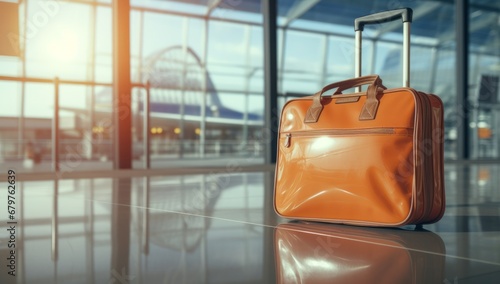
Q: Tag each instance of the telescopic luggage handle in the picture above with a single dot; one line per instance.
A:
(387, 16)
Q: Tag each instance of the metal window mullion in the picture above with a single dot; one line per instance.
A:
(434, 60)
(461, 78)
(182, 111)
(373, 56)
(204, 92)
(22, 102)
(146, 113)
(269, 11)
(55, 128)
(248, 77)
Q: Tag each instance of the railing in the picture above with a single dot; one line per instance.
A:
(55, 121)
(41, 150)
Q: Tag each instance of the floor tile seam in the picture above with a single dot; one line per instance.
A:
(273, 227)
(470, 214)
(178, 212)
(138, 173)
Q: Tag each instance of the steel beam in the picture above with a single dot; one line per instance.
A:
(211, 7)
(269, 12)
(462, 78)
(298, 9)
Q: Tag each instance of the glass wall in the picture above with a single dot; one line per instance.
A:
(204, 68)
(316, 55)
(201, 65)
(484, 76)
(65, 49)
(316, 47)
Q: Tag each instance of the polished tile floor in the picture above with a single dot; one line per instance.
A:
(220, 227)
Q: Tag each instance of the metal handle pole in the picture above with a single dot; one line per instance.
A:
(406, 54)
(357, 57)
(406, 14)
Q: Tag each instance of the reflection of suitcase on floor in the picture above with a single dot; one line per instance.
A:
(327, 253)
(371, 158)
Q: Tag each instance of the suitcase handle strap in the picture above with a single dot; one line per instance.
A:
(369, 108)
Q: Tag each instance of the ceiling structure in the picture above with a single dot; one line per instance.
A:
(433, 19)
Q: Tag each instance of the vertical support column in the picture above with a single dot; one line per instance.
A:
(55, 128)
(269, 12)
(462, 79)
(121, 85)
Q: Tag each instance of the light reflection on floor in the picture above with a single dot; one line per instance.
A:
(221, 228)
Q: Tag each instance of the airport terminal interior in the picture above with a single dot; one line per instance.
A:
(138, 140)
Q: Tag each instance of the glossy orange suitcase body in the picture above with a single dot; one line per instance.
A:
(371, 158)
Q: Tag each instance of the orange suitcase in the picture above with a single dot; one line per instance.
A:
(372, 158)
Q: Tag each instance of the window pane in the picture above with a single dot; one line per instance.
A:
(57, 40)
(484, 79)
(432, 61)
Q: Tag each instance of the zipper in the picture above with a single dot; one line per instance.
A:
(345, 132)
(426, 164)
(421, 158)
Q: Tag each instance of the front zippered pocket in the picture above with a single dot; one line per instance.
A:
(345, 132)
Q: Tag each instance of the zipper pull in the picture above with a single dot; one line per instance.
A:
(288, 139)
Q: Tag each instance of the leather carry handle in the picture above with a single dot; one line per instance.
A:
(369, 108)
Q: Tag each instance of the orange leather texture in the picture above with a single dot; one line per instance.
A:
(326, 253)
(385, 171)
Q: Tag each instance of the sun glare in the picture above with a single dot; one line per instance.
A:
(62, 49)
